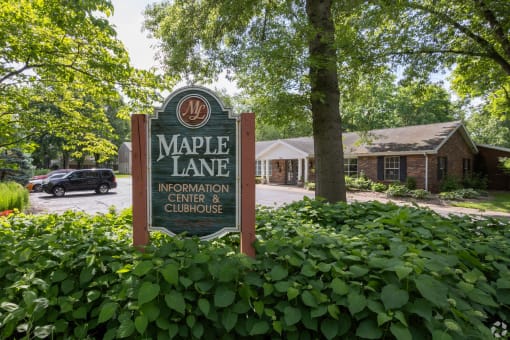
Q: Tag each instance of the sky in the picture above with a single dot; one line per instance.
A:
(128, 21)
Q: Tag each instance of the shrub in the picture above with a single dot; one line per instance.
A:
(419, 194)
(449, 183)
(411, 183)
(334, 271)
(459, 194)
(397, 190)
(475, 181)
(13, 196)
(358, 183)
(378, 187)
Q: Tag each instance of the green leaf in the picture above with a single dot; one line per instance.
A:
(339, 286)
(204, 306)
(334, 311)
(93, 295)
(292, 293)
(175, 300)
(150, 310)
(224, 297)
(291, 315)
(148, 292)
(171, 273)
(142, 268)
(330, 328)
(229, 319)
(43, 332)
(107, 311)
(382, 318)
(198, 331)
(358, 271)
(432, 290)
(356, 302)
(126, 328)
(368, 329)
(308, 299)
(393, 297)
(400, 332)
(278, 273)
(259, 327)
(141, 323)
(80, 313)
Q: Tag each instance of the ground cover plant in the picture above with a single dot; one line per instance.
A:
(343, 271)
(13, 196)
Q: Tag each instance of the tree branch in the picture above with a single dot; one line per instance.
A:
(492, 53)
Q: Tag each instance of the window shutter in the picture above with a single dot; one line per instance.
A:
(380, 168)
(403, 168)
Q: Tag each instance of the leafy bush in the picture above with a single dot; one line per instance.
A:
(378, 187)
(13, 196)
(450, 183)
(475, 181)
(459, 194)
(411, 183)
(364, 270)
(419, 194)
(358, 183)
(397, 190)
(310, 185)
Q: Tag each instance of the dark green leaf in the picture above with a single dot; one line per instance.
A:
(393, 297)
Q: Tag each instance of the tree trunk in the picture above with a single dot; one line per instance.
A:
(324, 98)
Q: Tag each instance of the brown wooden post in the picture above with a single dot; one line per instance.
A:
(248, 183)
(139, 177)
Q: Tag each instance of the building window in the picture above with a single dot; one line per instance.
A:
(258, 168)
(392, 168)
(351, 167)
(466, 167)
(442, 167)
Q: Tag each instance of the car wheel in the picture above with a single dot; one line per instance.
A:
(58, 191)
(103, 189)
(37, 188)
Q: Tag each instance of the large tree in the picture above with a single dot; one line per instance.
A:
(470, 38)
(61, 66)
(283, 49)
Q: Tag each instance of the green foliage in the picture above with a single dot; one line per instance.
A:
(450, 183)
(361, 182)
(397, 190)
(13, 196)
(378, 187)
(475, 181)
(504, 164)
(337, 271)
(420, 194)
(411, 183)
(459, 194)
(310, 185)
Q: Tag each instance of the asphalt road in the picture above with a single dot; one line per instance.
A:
(120, 198)
(266, 195)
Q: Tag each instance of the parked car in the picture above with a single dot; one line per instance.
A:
(35, 185)
(99, 180)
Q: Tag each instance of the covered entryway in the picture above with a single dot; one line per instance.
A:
(284, 162)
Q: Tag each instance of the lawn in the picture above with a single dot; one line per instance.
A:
(497, 201)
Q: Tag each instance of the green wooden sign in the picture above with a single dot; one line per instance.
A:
(194, 166)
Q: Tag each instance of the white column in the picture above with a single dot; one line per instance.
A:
(262, 168)
(300, 169)
(267, 162)
(306, 169)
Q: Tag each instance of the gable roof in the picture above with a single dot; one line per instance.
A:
(415, 139)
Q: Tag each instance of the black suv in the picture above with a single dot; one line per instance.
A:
(100, 180)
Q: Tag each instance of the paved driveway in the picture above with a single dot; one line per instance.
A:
(267, 195)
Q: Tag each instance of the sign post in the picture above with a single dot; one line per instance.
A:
(193, 175)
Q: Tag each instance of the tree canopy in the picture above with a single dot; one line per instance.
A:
(61, 66)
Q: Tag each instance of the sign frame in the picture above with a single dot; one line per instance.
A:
(202, 93)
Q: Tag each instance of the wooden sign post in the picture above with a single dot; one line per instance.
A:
(195, 164)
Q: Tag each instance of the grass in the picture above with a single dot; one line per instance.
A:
(497, 201)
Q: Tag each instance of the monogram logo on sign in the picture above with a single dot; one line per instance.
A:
(193, 111)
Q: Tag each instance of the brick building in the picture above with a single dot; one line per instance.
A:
(428, 153)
